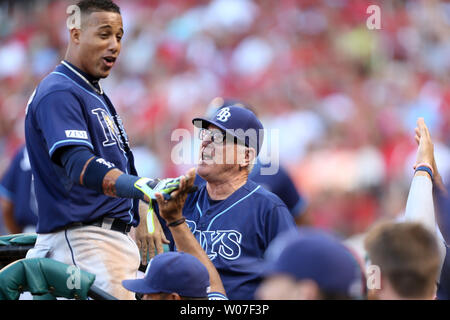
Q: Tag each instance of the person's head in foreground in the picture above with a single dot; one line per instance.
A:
(231, 140)
(95, 38)
(312, 265)
(172, 276)
(407, 256)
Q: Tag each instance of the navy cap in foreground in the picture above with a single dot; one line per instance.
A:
(318, 256)
(173, 272)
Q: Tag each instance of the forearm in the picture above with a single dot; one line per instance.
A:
(186, 242)
(93, 172)
(420, 205)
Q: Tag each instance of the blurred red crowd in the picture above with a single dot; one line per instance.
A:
(343, 98)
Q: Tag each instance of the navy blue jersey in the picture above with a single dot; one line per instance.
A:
(282, 185)
(65, 111)
(443, 292)
(16, 186)
(236, 232)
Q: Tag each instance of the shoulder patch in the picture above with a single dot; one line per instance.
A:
(80, 134)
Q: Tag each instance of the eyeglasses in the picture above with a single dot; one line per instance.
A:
(215, 136)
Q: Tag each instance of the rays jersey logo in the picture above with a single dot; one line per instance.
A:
(111, 131)
(225, 243)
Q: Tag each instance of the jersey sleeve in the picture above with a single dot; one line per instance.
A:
(443, 213)
(443, 292)
(278, 220)
(287, 191)
(62, 122)
(8, 183)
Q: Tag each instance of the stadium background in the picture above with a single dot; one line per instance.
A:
(345, 98)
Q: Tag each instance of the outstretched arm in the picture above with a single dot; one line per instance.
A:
(96, 173)
(185, 241)
(420, 204)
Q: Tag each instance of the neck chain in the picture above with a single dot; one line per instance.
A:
(100, 92)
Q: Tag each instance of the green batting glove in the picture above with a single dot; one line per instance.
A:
(152, 186)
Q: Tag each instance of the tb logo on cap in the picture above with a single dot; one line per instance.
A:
(223, 114)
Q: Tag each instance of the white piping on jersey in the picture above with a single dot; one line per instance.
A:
(199, 210)
(107, 110)
(209, 226)
(69, 140)
(83, 78)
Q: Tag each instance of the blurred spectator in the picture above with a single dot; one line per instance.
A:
(17, 198)
(408, 258)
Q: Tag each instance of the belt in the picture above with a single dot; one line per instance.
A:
(106, 223)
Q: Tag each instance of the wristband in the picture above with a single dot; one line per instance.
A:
(426, 169)
(176, 222)
(95, 172)
(424, 164)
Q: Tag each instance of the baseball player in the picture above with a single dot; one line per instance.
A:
(87, 188)
(17, 197)
(279, 183)
(232, 217)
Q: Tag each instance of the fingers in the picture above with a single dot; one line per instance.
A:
(164, 239)
(158, 243)
(422, 128)
(151, 247)
(143, 250)
(190, 174)
(159, 199)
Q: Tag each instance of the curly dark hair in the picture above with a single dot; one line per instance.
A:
(89, 6)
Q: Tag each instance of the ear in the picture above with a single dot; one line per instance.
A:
(75, 35)
(249, 157)
(250, 153)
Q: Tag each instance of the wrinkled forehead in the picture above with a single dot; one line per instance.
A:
(102, 19)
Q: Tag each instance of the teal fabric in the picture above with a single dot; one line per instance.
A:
(25, 239)
(18, 239)
(43, 276)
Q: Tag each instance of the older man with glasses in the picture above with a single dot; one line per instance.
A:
(233, 218)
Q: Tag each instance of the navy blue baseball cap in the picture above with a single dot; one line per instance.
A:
(237, 121)
(173, 272)
(315, 255)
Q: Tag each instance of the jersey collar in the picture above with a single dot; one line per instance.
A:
(83, 77)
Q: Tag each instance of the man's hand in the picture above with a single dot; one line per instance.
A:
(171, 210)
(425, 153)
(148, 242)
